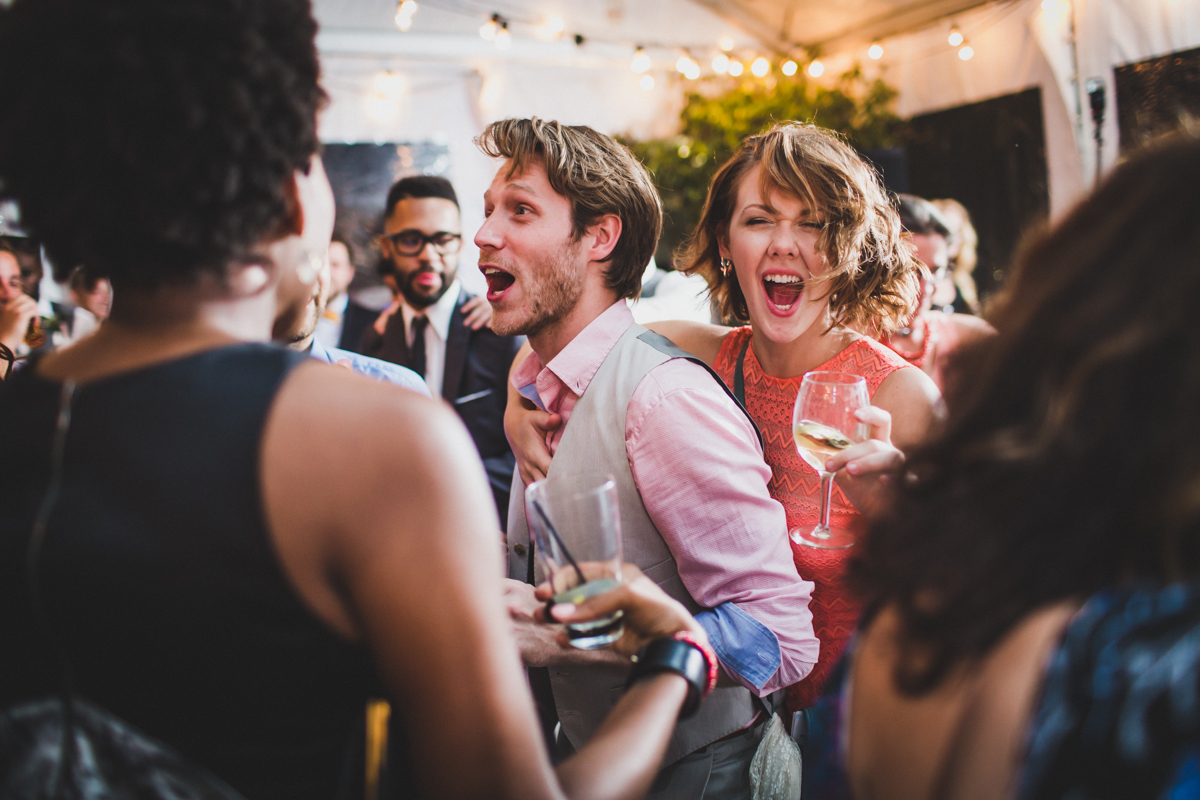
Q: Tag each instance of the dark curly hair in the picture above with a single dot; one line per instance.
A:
(152, 139)
(1071, 460)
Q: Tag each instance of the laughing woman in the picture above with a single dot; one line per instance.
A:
(799, 239)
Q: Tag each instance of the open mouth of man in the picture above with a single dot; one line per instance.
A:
(498, 282)
(783, 290)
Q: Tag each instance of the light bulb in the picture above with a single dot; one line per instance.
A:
(550, 29)
(641, 61)
(503, 38)
(955, 38)
(408, 7)
(789, 68)
(1048, 5)
(966, 52)
(816, 69)
(875, 52)
(721, 64)
(735, 68)
(684, 151)
(692, 72)
(682, 64)
(647, 82)
(760, 67)
(488, 31)
(726, 43)
(391, 85)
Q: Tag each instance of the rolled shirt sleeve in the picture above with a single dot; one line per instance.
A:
(699, 467)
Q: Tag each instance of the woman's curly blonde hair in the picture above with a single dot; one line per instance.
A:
(873, 279)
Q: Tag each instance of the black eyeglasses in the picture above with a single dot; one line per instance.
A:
(411, 242)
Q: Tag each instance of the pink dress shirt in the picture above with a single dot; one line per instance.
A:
(698, 465)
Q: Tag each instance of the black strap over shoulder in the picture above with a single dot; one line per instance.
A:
(739, 375)
(665, 346)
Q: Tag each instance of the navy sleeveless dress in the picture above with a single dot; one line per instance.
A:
(160, 576)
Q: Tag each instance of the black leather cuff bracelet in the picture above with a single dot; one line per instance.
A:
(682, 658)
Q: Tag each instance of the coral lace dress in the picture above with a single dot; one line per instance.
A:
(797, 486)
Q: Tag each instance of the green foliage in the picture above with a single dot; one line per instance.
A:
(724, 111)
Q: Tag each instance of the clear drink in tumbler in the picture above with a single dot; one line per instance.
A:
(576, 526)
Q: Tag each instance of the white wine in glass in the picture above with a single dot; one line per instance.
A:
(823, 423)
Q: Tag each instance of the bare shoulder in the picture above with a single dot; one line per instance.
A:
(970, 327)
(698, 338)
(351, 466)
(913, 400)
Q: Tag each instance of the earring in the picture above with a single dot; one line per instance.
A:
(726, 266)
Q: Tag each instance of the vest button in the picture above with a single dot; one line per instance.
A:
(519, 549)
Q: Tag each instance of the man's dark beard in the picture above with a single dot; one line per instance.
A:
(420, 301)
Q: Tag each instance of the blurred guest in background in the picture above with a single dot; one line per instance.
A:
(956, 293)
(305, 340)
(439, 330)
(344, 321)
(670, 294)
(92, 297)
(930, 337)
(29, 257)
(17, 309)
(1038, 581)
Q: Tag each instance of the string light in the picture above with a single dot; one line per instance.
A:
(641, 61)
(735, 68)
(875, 51)
(760, 67)
(391, 85)
(689, 68)
(720, 64)
(647, 82)
(726, 43)
(503, 37)
(490, 28)
(789, 68)
(816, 69)
(551, 28)
(965, 52)
(956, 37)
(404, 14)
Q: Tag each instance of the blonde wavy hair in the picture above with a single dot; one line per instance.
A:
(873, 279)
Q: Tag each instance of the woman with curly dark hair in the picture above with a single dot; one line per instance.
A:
(1036, 582)
(223, 544)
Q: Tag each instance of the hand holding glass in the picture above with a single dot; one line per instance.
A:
(576, 525)
(823, 423)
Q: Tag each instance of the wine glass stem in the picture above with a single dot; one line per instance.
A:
(826, 496)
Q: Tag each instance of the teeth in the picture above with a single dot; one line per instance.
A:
(783, 279)
(492, 271)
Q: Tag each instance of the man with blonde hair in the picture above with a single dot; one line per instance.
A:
(572, 220)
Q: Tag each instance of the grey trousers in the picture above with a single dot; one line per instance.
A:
(720, 771)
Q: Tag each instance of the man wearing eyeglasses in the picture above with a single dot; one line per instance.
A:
(436, 330)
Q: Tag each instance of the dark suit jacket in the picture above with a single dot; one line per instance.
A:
(356, 320)
(475, 383)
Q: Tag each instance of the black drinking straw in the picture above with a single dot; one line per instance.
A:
(554, 533)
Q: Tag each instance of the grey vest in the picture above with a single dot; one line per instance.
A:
(594, 441)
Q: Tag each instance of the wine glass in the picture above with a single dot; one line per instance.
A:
(823, 423)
